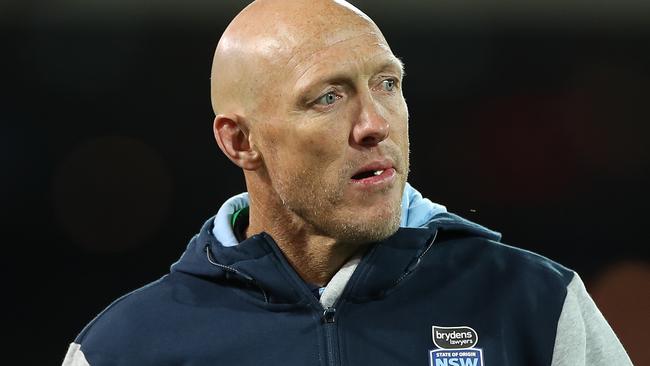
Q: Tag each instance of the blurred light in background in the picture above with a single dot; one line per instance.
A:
(111, 193)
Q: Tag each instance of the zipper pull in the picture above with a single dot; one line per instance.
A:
(328, 315)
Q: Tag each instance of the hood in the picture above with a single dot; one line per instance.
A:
(417, 211)
(215, 254)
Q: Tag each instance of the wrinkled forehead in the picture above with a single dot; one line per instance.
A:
(361, 55)
(346, 41)
(324, 44)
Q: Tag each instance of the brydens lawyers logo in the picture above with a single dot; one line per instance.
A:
(456, 347)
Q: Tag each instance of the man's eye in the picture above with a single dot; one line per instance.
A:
(328, 99)
(388, 85)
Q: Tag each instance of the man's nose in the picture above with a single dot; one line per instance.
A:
(371, 127)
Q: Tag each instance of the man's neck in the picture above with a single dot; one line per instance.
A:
(316, 258)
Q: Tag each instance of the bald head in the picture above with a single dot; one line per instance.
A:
(307, 95)
(268, 40)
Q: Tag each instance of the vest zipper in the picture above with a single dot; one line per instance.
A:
(329, 319)
(328, 315)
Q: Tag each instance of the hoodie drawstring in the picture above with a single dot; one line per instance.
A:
(247, 279)
(414, 263)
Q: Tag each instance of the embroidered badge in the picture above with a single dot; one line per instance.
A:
(456, 347)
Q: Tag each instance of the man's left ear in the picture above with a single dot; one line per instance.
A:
(233, 137)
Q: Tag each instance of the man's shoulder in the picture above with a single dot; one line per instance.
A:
(128, 312)
(149, 325)
(500, 261)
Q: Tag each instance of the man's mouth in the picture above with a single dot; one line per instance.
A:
(368, 174)
(375, 174)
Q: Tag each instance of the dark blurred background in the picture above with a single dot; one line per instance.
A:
(528, 117)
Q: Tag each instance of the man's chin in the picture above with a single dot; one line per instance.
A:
(363, 233)
(371, 223)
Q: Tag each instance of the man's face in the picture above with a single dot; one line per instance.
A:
(333, 133)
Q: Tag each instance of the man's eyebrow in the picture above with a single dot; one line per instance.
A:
(393, 63)
(396, 62)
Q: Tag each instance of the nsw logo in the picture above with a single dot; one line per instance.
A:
(456, 347)
(461, 357)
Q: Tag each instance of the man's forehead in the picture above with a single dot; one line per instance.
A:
(351, 61)
(344, 46)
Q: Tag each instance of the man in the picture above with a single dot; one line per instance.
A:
(331, 258)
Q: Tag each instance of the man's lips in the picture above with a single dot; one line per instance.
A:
(375, 168)
(374, 175)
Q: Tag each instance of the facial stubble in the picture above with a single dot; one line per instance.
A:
(321, 204)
